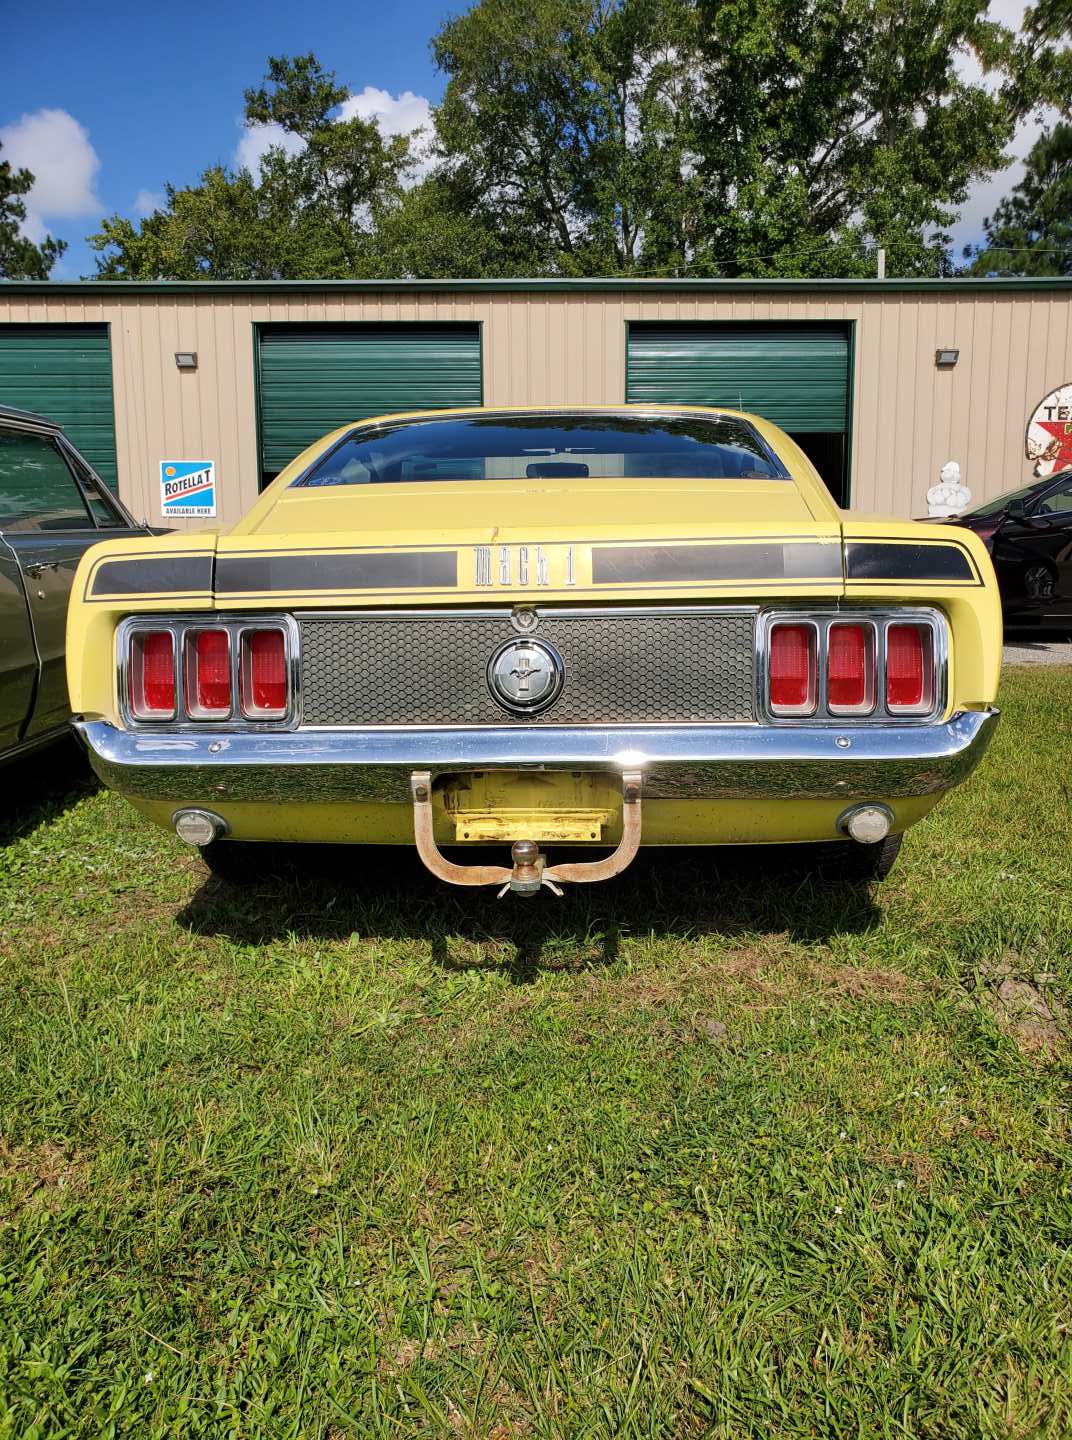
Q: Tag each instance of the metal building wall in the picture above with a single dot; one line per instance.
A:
(567, 345)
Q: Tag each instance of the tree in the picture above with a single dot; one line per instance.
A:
(216, 229)
(21, 259)
(1037, 63)
(704, 137)
(1030, 233)
(827, 127)
(437, 230)
(603, 137)
(312, 213)
(566, 120)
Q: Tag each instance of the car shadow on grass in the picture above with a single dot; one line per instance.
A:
(41, 786)
(333, 893)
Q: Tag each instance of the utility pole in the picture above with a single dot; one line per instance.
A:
(881, 262)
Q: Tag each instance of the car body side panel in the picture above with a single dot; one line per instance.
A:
(888, 551)
(18, 656)
(146, 574)
(48, 561)
(1034, 567)
(37, 567)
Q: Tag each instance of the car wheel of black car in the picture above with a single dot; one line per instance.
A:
(851, 863)
(1040, 582)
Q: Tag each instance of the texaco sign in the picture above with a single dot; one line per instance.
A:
(1049, 432)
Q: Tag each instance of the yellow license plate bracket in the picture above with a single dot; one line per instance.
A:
(529, 825)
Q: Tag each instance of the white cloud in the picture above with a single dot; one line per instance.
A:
(395, 115)
(146, 201)
(399, 116)
(984, 195)
(58, 152)
(258, 140)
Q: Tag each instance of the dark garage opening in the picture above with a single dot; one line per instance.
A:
(65, 373)
(795, 374)
(313, 378)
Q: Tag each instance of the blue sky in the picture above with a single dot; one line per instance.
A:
(105, 104)
(157, 89)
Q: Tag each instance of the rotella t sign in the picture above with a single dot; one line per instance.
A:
(525, 565)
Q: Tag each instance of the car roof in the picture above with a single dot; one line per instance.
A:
(28, 417)
(626, 411)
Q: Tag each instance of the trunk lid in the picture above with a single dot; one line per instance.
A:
(488, 539)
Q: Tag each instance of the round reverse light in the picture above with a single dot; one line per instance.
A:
(198, 827)
(869, 824)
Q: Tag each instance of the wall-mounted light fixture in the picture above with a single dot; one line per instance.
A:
(186, 359)
(944, 359)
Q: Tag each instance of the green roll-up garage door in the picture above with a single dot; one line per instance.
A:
(315, 378)
(795, 375)
(64, 372)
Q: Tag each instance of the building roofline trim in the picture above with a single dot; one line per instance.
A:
(101, 289)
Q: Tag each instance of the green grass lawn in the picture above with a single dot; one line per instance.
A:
(705, 1152)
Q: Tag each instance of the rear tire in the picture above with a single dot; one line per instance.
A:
(849, 863)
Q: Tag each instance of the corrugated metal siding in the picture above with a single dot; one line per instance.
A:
(64, 372)
(313, 380)
(908, 418)
(798, 377)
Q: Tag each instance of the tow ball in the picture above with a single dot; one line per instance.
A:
(529, 873)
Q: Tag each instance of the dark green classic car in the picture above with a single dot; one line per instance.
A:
(53, 507)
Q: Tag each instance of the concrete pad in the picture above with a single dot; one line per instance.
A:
(1037, 650)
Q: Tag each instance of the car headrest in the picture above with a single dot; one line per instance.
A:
(556, 470)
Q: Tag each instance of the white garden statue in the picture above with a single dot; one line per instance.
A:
(949, 496)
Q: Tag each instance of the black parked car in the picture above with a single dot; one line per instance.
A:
(53, 506)
(1029, 535)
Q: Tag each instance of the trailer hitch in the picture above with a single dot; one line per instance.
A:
(529, 872)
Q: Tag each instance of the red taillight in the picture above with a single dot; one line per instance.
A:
(909, 668)
(850, 669)
(264, 674)
(793, 670)
(208, 674)
(152, 674)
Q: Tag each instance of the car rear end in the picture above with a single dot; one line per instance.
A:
(614, 664)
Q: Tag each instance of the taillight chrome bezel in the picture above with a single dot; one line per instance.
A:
(130, 680)
(878, 619)
(874, 637)
(811, 704)
(923, 706)
(244, 673)
(187, 715)
(193, 707)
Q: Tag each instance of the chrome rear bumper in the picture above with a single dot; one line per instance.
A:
(677, 761)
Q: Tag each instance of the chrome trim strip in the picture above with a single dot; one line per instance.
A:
(540, 609)
(183, 625)
(882, 617)
(693, 762)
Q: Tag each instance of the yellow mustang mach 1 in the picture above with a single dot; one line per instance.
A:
(591, 628)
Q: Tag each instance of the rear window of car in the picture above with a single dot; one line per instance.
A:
(552, 447)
